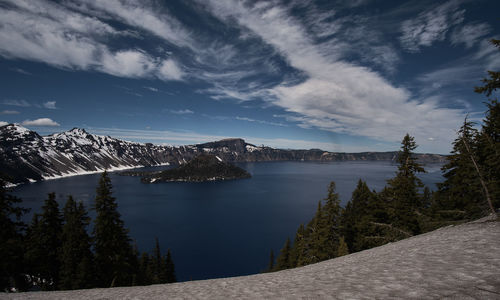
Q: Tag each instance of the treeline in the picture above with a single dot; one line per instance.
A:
(404, 208)
(56, 252)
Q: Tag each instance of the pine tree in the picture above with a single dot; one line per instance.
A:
(373, 228)
(170, 268)
(156, 264)
(297, 254)
(332, 222)
(460, 196)
(76, 256)
(135, 265)
(403, 190)
(489, 150)
(114, 255)
(355, 210)
(270, 266)
(283, 260)
(11, 245)
(317, 243)
(342, 249)
(44, 245)
(144, 273)
(489, 139)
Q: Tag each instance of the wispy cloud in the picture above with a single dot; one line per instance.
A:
(146, 16)
(182, 112)
(430, 26)
(245, 119)
(50, 105)
(336, 95)
(152, 89)
(16, 102)
(260, 121)
(51, 33)
(469, 34)
(9, 112)
(40, 122)
(21, 71)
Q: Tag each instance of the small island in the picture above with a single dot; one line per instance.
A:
(203, 167)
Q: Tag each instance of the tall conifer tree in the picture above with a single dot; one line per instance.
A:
(403, 190)
(113, 252)
(170, 268)
(270, 266)
(355, 211)
(332, 222)
(144, 273)
(44, 245)
(76, 256)
(317, 242)
(460, 195)
(489, 138)
(283, 261)
(11, 245)
(297, 253)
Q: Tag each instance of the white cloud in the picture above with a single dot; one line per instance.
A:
(169, 70)
(338, 96)
(182, 112)
(50, 105)
(40, 122)
(140, 14)
(2, 123)
(127, 63)
(153, 89)
(16, 102)
(469, 34)
(9, 112)
(430, 26)
(47, 32)
(260, 121)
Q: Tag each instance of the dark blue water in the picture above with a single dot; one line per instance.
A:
(219, 229)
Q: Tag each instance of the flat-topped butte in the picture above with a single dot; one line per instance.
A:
(203, 167)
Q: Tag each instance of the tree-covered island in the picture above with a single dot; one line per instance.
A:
(204, 167)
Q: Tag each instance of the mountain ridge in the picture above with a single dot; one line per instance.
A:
(26, 156)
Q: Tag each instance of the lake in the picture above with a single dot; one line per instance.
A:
(227, 228)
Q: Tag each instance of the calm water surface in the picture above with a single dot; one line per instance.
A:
(219, 229)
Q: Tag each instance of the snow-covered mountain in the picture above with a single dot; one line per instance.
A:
(26, 156)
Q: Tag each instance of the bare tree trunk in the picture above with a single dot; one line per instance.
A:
(393, 228)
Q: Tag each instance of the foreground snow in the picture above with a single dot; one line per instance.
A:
(454, 262)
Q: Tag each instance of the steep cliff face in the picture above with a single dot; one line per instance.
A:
(27, 156)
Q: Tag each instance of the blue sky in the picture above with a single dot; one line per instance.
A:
(336, 75)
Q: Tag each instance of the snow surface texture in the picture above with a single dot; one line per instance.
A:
(456, 262)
